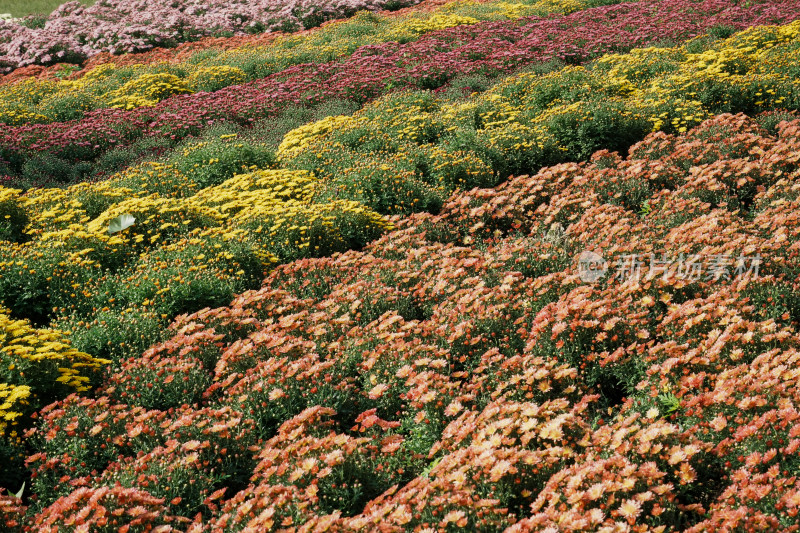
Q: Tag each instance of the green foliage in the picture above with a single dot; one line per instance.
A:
(669, 403)
(769, 120)
(155, 178)
(632, 193)
(721, 31)
(537, 94)
(115, 334)
(465, 85)
(145, 149)
(66, 71)
(12, 455)
(80, 451)
(587, 126)
(27, 284)
(774, 300)
(61, 107)
(645, 209)
(215, 78)
(34, 21)
(391, 187)
(13, 216)
(513, 149)
(46, 169)
(211, 162)
(163, 283)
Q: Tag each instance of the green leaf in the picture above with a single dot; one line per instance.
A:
(669, 402)
(431, 466)
(120, 223)
(21, 490)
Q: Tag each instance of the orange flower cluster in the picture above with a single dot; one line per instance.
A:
(458, 374)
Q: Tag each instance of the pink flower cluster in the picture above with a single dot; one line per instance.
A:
(75, 32)
(491, 48)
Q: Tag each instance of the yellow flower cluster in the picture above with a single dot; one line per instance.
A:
(156, 216)
(300, 138)
(426, 24)
(54, 209)
(132, 101)
(664, 84)
(22, 341)
(16, 115)
(9, 199)
(641, 65)
(280, 203)
(409, 121)
(29, 91)
(762, 38)
(514, 10)
(566, 6)
(149, 177)
(19, 101)
(529, 116)
(155, 193)
(456, 168)
(514, 137)
(502, 10)
(215, 77)
(14, 400)
(147, 90)
(100, 73)
(317, 228)
(12, 214)
(38, 362)
(274, 208)
(257, 189)
(410, 117)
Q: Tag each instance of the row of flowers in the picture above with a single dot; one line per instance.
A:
(74, 32)
(531, 120)
(185, 50)
(35, 101)
(460, 374)
(488, 48)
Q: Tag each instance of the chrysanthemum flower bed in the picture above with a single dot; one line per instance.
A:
(73, 148)
(135, 84)
(459, 374)
(530, 120)
(605, 340)
(74, 32)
